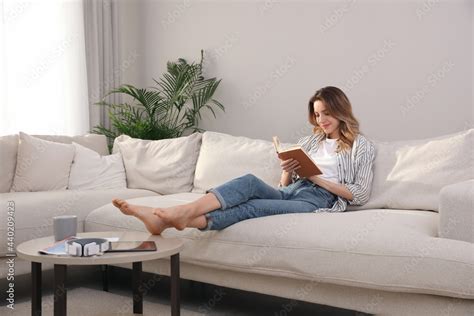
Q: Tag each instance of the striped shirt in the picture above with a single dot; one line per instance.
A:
(355, 169)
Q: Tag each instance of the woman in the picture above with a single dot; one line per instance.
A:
(343, 154)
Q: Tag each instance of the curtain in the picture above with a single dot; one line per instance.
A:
(43, 76)
(102, 52)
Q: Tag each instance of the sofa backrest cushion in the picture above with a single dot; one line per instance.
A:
(97, 143)
(42, 165)
(164, 166)
(410, 174)
(91, 171)
(9, 150)
(224, 157)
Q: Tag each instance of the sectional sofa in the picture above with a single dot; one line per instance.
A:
(408, 251)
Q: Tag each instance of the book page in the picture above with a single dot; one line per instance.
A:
(276, 144)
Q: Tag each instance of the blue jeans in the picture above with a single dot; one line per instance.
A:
(248, 197)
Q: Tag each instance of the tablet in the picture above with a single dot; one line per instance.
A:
(129, 246)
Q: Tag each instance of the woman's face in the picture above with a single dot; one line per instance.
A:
(329, 124)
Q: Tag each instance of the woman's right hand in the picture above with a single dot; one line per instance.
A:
(290, 165)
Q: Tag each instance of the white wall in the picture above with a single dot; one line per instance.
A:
(407, 66)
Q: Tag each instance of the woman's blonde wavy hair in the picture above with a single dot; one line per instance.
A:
(339, 107)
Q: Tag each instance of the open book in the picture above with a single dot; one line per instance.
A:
(308, 166)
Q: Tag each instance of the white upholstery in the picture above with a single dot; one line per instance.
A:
(374, 302)
(42, 165)
(33, 211)
(381, 261)
(9, 149)
(8, 152)
(390, 250)
(409, 174)
(224, 157)
(91, 171)
(164, 166)
(95, 142)
(456, 211)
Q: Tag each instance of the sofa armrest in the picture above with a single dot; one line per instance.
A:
(456, 211)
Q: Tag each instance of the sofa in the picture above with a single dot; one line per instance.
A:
(408, 251)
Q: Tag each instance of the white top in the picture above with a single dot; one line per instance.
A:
(356, 169)
(326, 159)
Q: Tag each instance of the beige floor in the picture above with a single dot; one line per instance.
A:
(85, 301)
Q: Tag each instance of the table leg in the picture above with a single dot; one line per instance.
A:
(175, 308)
(60, 291)
(105, 281)
(137, 288)
(35, 289)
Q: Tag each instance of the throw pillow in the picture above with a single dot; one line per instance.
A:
(91, 171)
(42, 165)
(224, 157)
(409, 174)
(9, 151)
(164, 166)
(97, 143)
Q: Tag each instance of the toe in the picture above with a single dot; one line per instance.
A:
(118, 201)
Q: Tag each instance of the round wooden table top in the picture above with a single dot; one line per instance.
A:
(166, 247)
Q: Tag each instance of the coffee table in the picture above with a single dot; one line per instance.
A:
(166, 247)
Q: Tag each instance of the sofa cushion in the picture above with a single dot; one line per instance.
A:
(33, 211)
(97, 143)
(164, 166)
(224, 157)
(9, 149)
(42, 165)
(8, 152)
(91, 171)
(456, 211)
(392, 250)
(410, 174)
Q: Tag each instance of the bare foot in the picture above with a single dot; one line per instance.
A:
(178, 216)
(128, 209)
(153, 223)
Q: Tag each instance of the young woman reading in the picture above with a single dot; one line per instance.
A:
(342, 153)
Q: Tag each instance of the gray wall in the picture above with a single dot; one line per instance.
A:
(406, 66)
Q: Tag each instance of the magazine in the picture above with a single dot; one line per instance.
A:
(58, 248)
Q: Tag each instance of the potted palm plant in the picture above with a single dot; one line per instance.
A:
(166, 110)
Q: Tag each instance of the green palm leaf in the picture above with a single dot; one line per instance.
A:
(166, 110)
